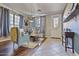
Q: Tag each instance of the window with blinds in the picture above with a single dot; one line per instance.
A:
(14, 20)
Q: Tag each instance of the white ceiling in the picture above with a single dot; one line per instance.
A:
(32, 8)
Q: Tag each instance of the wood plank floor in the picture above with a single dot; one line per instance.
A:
(6, 49)
(51, 47)
(23, 51)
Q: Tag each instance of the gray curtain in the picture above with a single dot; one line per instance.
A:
(0, 23)
(13, 19)
(5, 21)
(42, 24)
(21, 21)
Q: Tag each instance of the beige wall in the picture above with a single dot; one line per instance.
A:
(50, 30)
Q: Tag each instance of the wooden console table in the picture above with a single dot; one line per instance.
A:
(69, 35)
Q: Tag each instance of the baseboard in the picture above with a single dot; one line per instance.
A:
(76, 53)
(55, 38)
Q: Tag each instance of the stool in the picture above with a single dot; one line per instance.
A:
(69, 35)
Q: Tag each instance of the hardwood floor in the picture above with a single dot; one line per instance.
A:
(6, 49)
(51, 47)
(23, 51)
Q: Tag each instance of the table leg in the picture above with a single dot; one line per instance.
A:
(73, 45)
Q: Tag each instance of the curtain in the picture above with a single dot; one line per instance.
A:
(33, 23)
(0, 23)
(42, 24)
(13, 19)
(5, 21)
(21, 21)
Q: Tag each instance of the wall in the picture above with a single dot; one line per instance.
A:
(50, 31)
(67, 10)
(73, 25)
(48, 26)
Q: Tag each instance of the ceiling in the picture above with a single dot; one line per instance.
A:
(36, 8)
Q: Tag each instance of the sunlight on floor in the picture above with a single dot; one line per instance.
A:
(53, 47)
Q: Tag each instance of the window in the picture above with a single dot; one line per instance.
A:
(14, 20)
(37, 22)
(11, 21)
(55, 22)
(17, 19)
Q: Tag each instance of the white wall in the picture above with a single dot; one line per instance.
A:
(73, 24)
(50, 30)
(48, 26)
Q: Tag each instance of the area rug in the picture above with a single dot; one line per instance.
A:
(32, 44)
